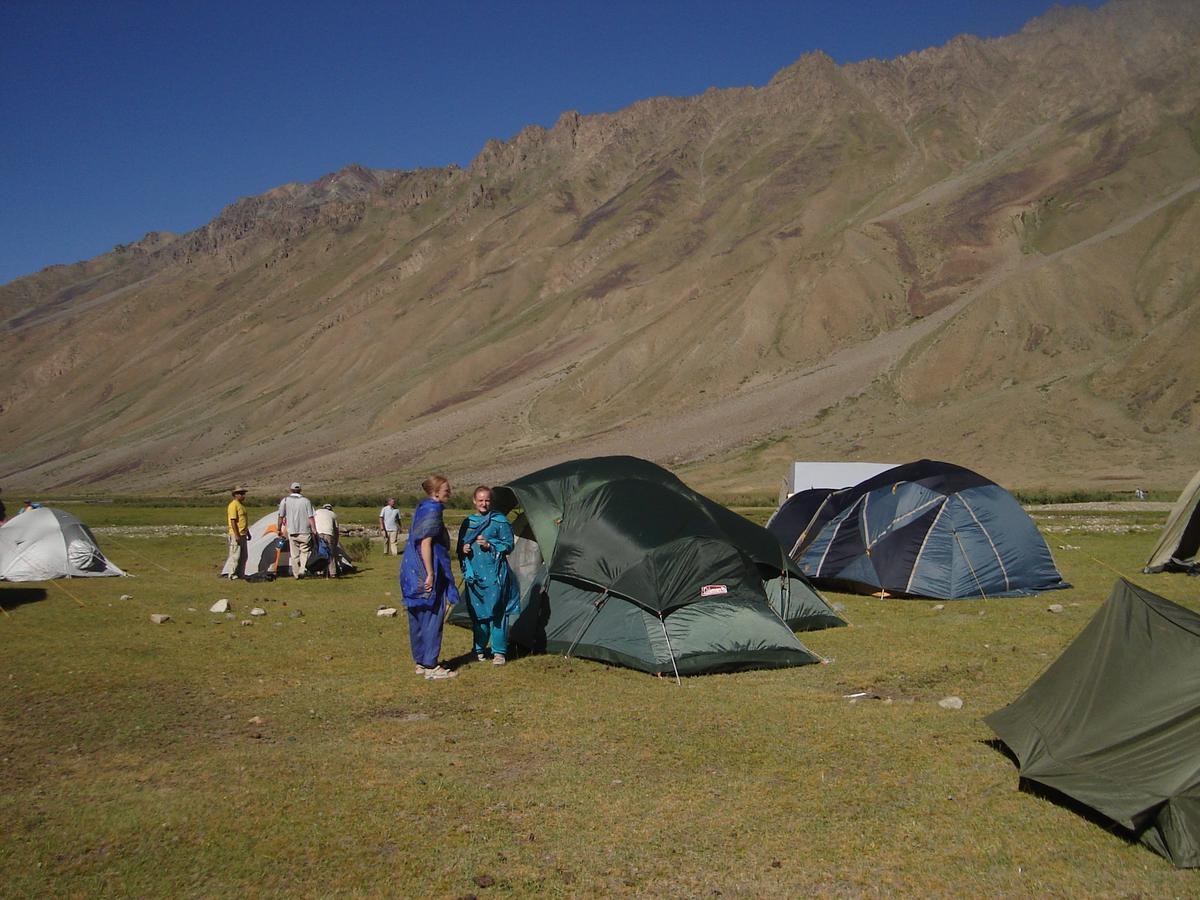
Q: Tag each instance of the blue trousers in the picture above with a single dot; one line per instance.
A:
(425, 633)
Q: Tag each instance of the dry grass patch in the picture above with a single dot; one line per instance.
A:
(301, 756)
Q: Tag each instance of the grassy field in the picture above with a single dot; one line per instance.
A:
(300, 755)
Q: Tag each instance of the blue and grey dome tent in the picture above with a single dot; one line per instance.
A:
(924, 529)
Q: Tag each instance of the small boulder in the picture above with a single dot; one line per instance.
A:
(939, 607)
(127, 596)
(951, 703)
(221, 606)
(160, 618)
(295, 614)
(1054, 608)
(247, 621)
(386, 611)
(258, 611)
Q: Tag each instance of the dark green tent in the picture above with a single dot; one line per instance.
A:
(1114, 722)
(620, 561)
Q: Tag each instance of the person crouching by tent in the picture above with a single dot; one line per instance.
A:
(296, 514)
(327, 531)
(426, 580)
(239, 534)
(484, 541)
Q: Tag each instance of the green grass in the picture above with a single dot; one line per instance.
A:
(301, 756)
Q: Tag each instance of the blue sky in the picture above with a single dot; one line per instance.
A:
(124, 117)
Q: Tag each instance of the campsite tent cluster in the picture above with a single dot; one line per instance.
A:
(617, 560)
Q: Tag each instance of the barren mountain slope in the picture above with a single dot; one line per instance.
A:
(984, 252)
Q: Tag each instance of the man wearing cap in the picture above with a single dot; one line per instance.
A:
(296, 516)
(327, 530)
(389, 524)
(239, 534)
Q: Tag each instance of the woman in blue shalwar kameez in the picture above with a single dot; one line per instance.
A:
(484, 542)
(426, 580)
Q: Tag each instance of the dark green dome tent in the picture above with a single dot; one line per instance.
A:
(1178, 548)
(923, 529)
(1114, 722)
(619, 561)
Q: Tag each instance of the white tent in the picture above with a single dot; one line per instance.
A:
(804, 476)
(268, 557)
(40, 544)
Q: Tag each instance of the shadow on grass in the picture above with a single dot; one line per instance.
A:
(1066, 801)
(11, 598)
(465, 659)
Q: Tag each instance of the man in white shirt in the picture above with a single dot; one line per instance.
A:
(327, 530)
(389, 524)
(296, 516)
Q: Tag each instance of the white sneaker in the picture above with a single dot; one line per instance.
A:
(481, 656)
(421, 670)
(437, 673)
(498, 659)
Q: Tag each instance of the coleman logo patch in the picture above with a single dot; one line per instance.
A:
(710, 590)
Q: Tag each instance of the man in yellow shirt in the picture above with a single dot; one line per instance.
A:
(239, 534)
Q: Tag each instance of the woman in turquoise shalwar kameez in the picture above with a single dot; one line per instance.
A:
(484, 541)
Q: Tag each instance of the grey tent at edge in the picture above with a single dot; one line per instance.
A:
(1114, 722)
(1178, 548)
(46, 543)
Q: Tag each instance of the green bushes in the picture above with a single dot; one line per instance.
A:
(357, 548)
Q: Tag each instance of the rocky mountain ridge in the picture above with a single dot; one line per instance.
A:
(982, 252)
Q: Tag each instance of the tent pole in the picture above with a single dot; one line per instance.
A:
(785, 593)
(967, 560)
(598, 604)
(670, 649)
